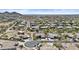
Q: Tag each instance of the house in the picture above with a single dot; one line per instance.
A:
(25, 37)
(21, 25)
(53, 36)
(47, 24)
(44, 27)
(74, 26)
(70, 36)
(40, 35)
(77, 27)
(53, 25)
(68, 27)
(22, 36)
(21, 33)
(32, 23)
(67, 24)
(60, 24)
(36, 27)
(60, 27)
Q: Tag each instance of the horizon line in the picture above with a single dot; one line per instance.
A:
(42, 11)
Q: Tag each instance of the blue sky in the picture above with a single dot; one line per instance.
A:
(43, 11)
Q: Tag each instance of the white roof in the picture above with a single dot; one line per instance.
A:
(37, 34)
(69, 34)
(60, 27)
(21, 31)
(52, 34)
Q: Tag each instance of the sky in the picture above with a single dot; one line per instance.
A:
(42, 11)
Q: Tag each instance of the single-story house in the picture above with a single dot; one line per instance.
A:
(53, 36)
(40, 36)
(35, 27)
(21, 32)
(69, 35)
(60, 27)
(68, 27)
(44, 27)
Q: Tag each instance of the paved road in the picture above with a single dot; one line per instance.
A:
(57, 41)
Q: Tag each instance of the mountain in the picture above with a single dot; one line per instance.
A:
(10, 16)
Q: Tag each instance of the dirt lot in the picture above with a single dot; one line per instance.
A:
(7, 44)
